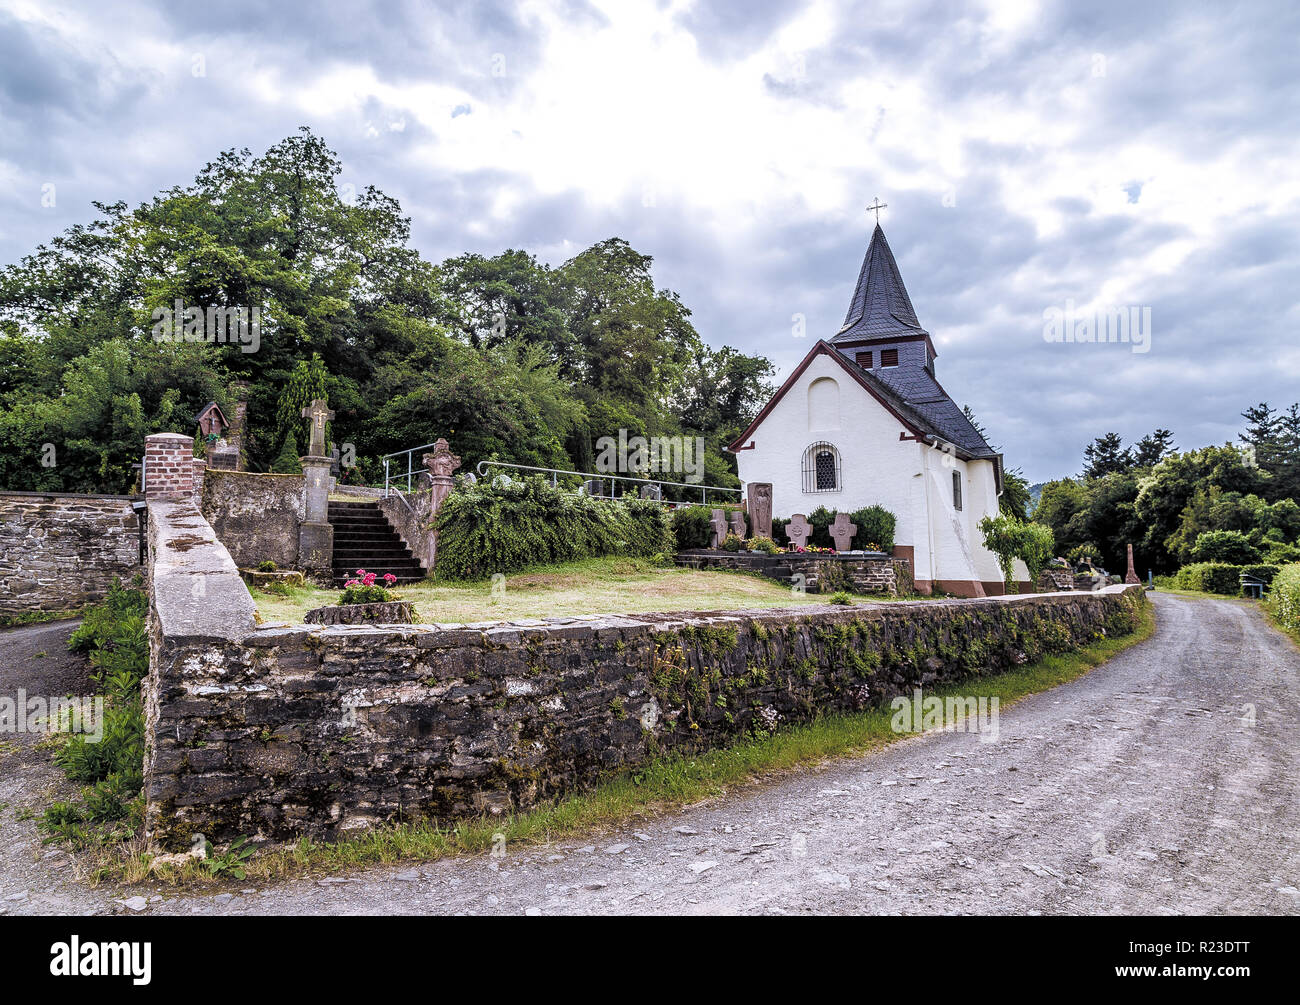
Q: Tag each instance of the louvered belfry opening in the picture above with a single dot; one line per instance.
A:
(821, 468)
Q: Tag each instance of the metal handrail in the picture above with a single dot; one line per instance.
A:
(555, 472)
(410, 470)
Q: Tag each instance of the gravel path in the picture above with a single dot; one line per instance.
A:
(1142, 788)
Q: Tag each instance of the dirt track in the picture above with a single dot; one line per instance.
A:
(1142, 788)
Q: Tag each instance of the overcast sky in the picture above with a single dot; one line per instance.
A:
(1131, 154)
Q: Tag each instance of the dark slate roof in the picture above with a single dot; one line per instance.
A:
(914, 393)
(880, 307)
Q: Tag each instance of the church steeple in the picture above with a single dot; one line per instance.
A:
(880, 308)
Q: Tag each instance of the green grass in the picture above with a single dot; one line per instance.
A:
(590, 586)
(660, 786)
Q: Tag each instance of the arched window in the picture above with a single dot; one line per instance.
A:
(821, 468)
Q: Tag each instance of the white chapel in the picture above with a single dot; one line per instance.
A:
(864, 420)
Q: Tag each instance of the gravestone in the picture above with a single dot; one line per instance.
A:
(842, 532)
(718, 524)
(738, 524)
(594, 486)
(655, 492)
(760, 508)
(797, 530)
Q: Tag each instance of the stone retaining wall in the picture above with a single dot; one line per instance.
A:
(863, 572)
(281, 731)
(255, 515)
(60, 551)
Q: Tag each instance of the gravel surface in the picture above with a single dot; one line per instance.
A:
(1148, 786)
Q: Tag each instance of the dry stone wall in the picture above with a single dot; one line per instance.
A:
(276, 732)
(60, 551)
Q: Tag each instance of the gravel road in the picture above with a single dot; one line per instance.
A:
(1164, 782)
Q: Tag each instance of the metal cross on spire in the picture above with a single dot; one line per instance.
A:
(877, 206)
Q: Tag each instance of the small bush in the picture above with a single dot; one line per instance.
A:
(732, 542)
(763, 544)
(875, 527)
(690, 526)
(1210, 577)
(840, 597)
(267, 566)
(1284, 598)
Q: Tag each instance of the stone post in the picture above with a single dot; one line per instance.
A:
(1131, 576)
(200, 467)
(168, 466)
(441, 463)
(316, 535)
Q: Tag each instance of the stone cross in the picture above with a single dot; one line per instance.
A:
(842, 531)
(319, 413)
(738, 524)
(442, 462)
(718, 524)
(797, 530)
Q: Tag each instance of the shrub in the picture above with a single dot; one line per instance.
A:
(840, 597)
(1227, 546)
(484, 529)
(100, 623)
(732, 542)
(267, 566)
(1009, 539)
(1284, 598)
(875, 526)
(690, 525)
(763, 544)
(1210, 577)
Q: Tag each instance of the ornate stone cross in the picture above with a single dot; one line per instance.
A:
(842, 531)
(319, 413)
(738, 524)
(797, 530)
(442, 462)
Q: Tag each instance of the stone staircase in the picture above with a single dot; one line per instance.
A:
(364, 539)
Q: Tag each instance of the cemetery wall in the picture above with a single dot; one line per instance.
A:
(276, 732)
(256, 516)
(60, 551)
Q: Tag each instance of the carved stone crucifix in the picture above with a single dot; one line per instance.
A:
(319, 413)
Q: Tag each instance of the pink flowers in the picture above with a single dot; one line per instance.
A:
(368, 579)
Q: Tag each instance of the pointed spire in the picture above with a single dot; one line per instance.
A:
(880, 306)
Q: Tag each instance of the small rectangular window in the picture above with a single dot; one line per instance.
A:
(864, 359)
(889, 357)
(956, 490)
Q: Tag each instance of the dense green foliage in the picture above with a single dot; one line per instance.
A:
(1009, 539)
(505, 356)
(1284, 598)
(1165, 502)
(875, 527)
(112, 767)
(485, 529)
(1210, 577)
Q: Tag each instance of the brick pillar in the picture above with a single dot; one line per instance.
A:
(168, 466)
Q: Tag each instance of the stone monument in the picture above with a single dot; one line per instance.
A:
(760, 508)
(441, 465)
(842, 532)
(797, 530)
(718, 524)
(1131, 576)
(738, 524)
(316, 536)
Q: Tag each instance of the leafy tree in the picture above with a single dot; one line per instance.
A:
(1231, 546)
(1153, 448)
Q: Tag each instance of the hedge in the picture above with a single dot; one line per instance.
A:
(1284, 598)
(1219, 577)
(484, 529)
(875, 526)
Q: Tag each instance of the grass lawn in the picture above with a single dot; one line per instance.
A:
(664, 784)
(593, 586)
